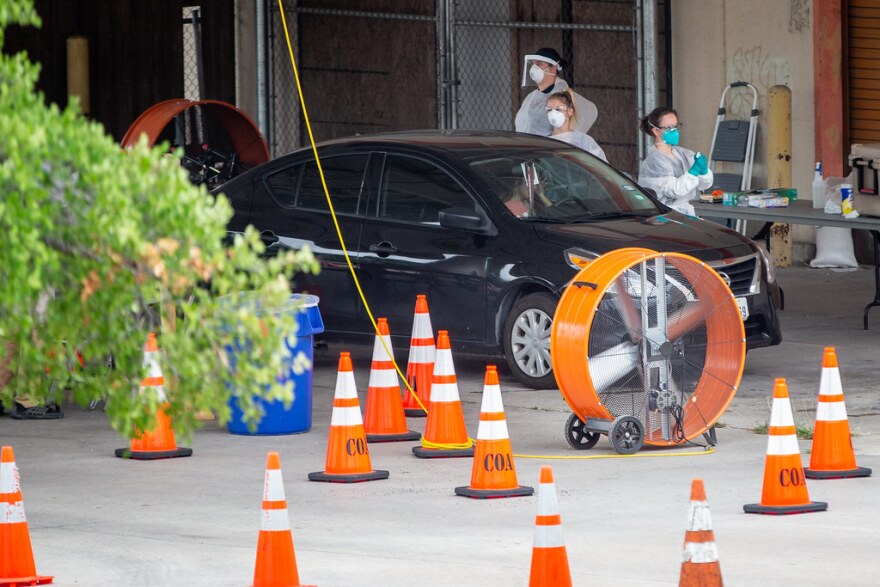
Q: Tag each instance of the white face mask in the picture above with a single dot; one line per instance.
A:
(536, 73)
(557, 118)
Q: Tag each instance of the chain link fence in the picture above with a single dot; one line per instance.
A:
(447, 64)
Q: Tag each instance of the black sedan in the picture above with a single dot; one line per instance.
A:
(491, 226)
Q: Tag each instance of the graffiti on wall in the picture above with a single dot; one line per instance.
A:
(761, 69)
(798, 16)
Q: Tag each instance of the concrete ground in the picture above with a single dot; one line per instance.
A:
(97, 520)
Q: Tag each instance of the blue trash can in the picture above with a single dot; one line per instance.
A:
(298, 418)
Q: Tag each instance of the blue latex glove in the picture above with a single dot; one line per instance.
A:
(700, 166)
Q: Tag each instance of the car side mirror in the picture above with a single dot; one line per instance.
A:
(461, 219)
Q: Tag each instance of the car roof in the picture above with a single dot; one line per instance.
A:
(447, 141)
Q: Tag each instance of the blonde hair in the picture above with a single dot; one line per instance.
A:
(566, 97)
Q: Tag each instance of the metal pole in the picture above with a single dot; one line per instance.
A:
(640, 82)
(262, 101)
(440, 32)
(453, 65)
(649, 38)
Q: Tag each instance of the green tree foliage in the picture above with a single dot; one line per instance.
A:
(98, 247)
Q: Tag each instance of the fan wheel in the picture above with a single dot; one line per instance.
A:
(627, 435)
(657, 337)
(577, 436)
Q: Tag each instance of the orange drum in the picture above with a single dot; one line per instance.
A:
(648, 348)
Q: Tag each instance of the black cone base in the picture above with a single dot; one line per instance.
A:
(152, 455)
(401, 437)
(520, 491)
(442, 453)
(415, 413)
(857, 472)
(353, 478)
(784, 510)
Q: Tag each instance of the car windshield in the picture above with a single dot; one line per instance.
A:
(562, 185)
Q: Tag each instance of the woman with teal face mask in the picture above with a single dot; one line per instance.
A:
(676, 174)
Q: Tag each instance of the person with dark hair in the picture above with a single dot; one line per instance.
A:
(563, 116)
(543, 68)
(677, 175)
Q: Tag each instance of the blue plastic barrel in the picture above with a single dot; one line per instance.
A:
(298, 418)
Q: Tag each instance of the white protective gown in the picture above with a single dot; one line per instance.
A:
(532, 115)
(582, 141)
(668, 176)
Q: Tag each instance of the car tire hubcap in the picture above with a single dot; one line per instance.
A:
(530, 342)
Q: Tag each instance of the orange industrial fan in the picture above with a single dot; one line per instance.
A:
(647, 347)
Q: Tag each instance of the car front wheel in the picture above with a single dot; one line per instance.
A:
(527, 340)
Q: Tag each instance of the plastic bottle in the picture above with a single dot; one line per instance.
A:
(818, 187)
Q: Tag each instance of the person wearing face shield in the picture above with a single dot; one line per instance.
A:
(563, 117)
(676, 174)
(544, 68)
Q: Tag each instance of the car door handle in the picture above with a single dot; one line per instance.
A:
(383, 249)
(268, 237)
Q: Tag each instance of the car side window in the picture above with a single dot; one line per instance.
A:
(300, 186)
(414, 190)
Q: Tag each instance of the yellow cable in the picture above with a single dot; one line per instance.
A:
(357, 283)
(642, 455)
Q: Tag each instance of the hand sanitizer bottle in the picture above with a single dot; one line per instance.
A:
(818, 188)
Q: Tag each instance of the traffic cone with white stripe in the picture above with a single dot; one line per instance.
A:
(699, 562)
(785, 486)
(384, 420)
(16, 556)
(493, 473)
(420, 365)
(157, 443)
(549, 557)
(276, 559)
(348, 457)
(832, 455)
(445, 431)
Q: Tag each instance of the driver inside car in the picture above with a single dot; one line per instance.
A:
(527, 197)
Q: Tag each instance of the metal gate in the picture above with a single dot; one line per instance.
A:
(458, 65)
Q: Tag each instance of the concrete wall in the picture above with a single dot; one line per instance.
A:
(764, 42)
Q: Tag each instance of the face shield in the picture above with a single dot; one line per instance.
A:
(527, 64)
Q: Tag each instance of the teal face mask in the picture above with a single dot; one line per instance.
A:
(670, 137)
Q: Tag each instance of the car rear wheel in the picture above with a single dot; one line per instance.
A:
(527, 340)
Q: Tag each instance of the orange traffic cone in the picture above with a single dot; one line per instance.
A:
(445, 431)
(276, 559)
(157, 443)
(16, 557)
(384, 420)
(785, 486)
(832, 456)
(348, 457)
(493, 473)
(549, 557)
(420, 365)
(699, 562)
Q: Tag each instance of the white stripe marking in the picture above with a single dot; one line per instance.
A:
(491, 403)
(383, 378)
(444, 392)
(274, 520)
(547, 502)
(379, 353)
(831, 411)
(443, 363)
(350, 416)
(422, 326)
(345, 385)
(274, 489)
(700, 517)
(422, 354)
(492, 430)
(12, 513)
(549, 536)
(9, 478)
(699, 552)
(829, 382)
(783, 445)
(780, 413)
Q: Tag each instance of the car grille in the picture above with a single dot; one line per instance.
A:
(742, 275)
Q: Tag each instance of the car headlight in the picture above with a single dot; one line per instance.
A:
(769, 267)
(578, 258)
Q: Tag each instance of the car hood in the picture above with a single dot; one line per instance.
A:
(670, 232)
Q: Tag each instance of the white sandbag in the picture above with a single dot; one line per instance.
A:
(834, 248)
